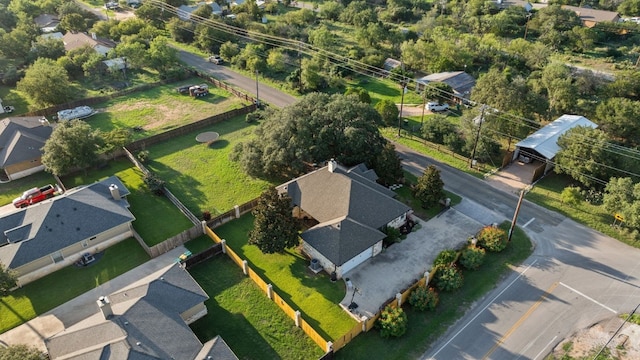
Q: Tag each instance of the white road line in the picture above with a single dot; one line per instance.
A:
(546, 346)
(481, 311)
(528, 222)
(588, 298)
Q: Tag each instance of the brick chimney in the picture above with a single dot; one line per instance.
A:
(332, 165)
(115, 192)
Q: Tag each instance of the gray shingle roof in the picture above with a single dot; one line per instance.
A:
(461, 82)
(151, 328)
(44, 228)
(350, 207)
(21, 139)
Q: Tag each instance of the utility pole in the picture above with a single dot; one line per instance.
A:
(257, 95)
(526, 26)
(424, 104)
(475, 143)
(515, 215)
(401, 99)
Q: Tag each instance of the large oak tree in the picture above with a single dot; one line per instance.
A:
(72, 145)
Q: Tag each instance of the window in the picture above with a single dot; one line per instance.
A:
(85, 243)
(57, 256)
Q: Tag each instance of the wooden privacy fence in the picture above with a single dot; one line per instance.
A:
(222, 85)
(170, 243)
(232, 214)
(268, 289)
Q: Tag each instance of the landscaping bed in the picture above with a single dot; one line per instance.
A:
(251, 324)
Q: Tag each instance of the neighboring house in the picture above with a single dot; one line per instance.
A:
(147, 320)
(53, 35)
(390, 64)
(77, 40)
(184, 11)
(118, 63)
(461, 82)
(46, 22)
(350, 209)
(21, 141)
(55, 233)
(591, 17)
(542, 145)
(503, 4)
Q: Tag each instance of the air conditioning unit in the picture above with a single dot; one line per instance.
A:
(315, 264)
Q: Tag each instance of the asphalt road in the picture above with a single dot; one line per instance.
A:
(576, 276)
(221, 72)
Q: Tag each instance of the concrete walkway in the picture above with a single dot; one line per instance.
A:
(35, 331)
(399, 266)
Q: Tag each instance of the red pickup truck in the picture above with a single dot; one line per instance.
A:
(34, 195)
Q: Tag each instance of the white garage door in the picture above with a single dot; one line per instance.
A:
(357, 260)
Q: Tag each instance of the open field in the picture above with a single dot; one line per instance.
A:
(251, 324)
(202, 176)
(161, 108)
(315, 295)
(156, 217)
(63, 285)
(425, 327)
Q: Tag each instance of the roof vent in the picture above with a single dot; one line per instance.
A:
(115, 192)
(138, 343)
(77, 229)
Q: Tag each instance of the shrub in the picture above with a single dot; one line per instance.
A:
(253, 117)
(392, 322)
(143, 156)
(154, 183)
(445, 258)
(571, 195)
(424, 298)
(206, 215)
(472, 257)
(393, 236)
(448, 278)
(492, 238)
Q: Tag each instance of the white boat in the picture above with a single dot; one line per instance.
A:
(80, 112)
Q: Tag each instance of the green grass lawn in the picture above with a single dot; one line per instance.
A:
(156, 217)
(380, 89)
(315, 295)
(405, 195)
(251, 324)
(202, 176)
(13, 189)
(63, 285)
(416, 143)
(161, 108)
(547, 193)
(425, 327)
(199, 244)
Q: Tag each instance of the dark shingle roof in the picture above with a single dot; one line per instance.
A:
(44, 228)
(21, 139)
(350, 207)
(341, 240)
(151, 328)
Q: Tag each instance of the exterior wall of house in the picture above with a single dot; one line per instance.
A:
(326, 264)
(399, 221)
(25, 168)
(194, 313)
(46, 265)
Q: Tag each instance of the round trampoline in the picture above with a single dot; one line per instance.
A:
(208, 137)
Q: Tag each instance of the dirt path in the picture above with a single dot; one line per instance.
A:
(587, 342)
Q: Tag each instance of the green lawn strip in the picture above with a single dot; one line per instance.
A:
(547, 193)
(241, 313)
(161, 108)
(425, 327)
(199, 244)
(156, 217)
(416, 143)
(12, 97)
(63, 285)
(406, 196)
(383, 89)
(15, 188)
(315, 295)
(203, 177)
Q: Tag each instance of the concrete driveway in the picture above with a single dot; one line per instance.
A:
(401, 265)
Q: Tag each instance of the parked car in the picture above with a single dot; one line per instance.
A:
(216, 59)
(34, 195)
(435, 107)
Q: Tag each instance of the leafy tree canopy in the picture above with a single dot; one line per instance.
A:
(46, 83)
(275, 228)
(622, 197)
(317, 128)
(20, 352)
(72, 145)
(619, 118)
(429, 189)
(7, 281)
